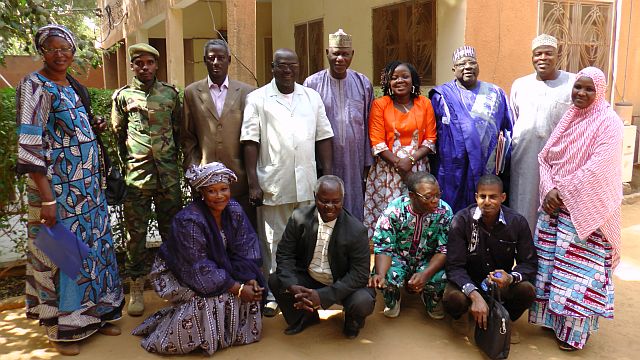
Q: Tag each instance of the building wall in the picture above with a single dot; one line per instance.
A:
(139, 14)
(17, 66)
(355, 18)
(200, 18)
(263, 31)
(501, 31)
(628, 61)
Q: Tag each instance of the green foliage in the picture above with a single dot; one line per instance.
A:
(13, 207)
(8, 152)
(20, 19)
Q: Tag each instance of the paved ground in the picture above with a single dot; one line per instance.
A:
(412, 335)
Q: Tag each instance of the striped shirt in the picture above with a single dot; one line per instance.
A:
(319, 268)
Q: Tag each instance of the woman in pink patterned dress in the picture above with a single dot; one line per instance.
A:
(578, 232)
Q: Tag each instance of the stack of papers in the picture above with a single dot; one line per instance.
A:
(502, 150)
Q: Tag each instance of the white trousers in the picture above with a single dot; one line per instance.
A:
(271, 223)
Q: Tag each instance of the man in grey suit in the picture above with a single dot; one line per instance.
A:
(212, 118)
(323, 259)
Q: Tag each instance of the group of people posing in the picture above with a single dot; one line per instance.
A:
(294, 185)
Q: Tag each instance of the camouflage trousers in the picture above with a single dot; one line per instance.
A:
(137, 215)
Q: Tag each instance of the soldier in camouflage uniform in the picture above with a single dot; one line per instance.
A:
(145, 116)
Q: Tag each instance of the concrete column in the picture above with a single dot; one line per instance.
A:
(175, 47)
(123, 64)
(128, 41)
(110, 70)
(241, 35)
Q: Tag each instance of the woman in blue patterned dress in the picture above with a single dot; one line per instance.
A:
(57, 149)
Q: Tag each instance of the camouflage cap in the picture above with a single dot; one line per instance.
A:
(142, 48)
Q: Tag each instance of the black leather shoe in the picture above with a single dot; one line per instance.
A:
(352, 327)
(303, 323)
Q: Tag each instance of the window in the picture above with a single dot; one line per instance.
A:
(406, 32)
(584, 31)
(309, 47)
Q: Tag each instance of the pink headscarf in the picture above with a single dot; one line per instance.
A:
(582, 159)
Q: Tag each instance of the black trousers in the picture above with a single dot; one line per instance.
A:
(517, 299)
(357, 306)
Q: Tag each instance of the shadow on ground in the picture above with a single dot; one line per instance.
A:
(410, 336)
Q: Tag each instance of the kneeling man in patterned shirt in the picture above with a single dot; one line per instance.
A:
(409, 244)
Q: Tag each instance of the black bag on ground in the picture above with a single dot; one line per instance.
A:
(116, 188)
(496, 340)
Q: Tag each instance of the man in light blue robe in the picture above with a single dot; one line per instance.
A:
(470, 115)
(347, 97)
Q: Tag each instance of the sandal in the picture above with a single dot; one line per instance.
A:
(565, 346)
(66, 348)
(110, 330)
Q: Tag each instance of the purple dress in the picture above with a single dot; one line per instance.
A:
(193, 271)
(347, 102)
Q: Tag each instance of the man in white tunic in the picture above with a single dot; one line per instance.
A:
(284, 124)
(538, 102)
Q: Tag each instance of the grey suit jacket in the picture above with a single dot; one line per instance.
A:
(207, 137)
(348, 253)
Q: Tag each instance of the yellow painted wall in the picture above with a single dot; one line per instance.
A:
(263, 30)
(355, 18)
(451, 30)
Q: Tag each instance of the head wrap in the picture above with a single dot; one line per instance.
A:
(139, 49)
(48, 31)
(339, 39)
(463, 51)
(599, 80)
(209, 174)
(544, 40)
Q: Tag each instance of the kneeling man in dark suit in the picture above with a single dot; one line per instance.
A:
(323, 259)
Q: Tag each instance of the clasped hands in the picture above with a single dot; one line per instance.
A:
(251, 291)
(403, 166)
(414, 285)
(305, 298)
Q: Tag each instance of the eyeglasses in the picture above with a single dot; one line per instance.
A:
(427, 198)
(463, 64)
(285, 66)
(65, 51)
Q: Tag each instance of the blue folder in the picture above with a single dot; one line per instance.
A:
(63, 248)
